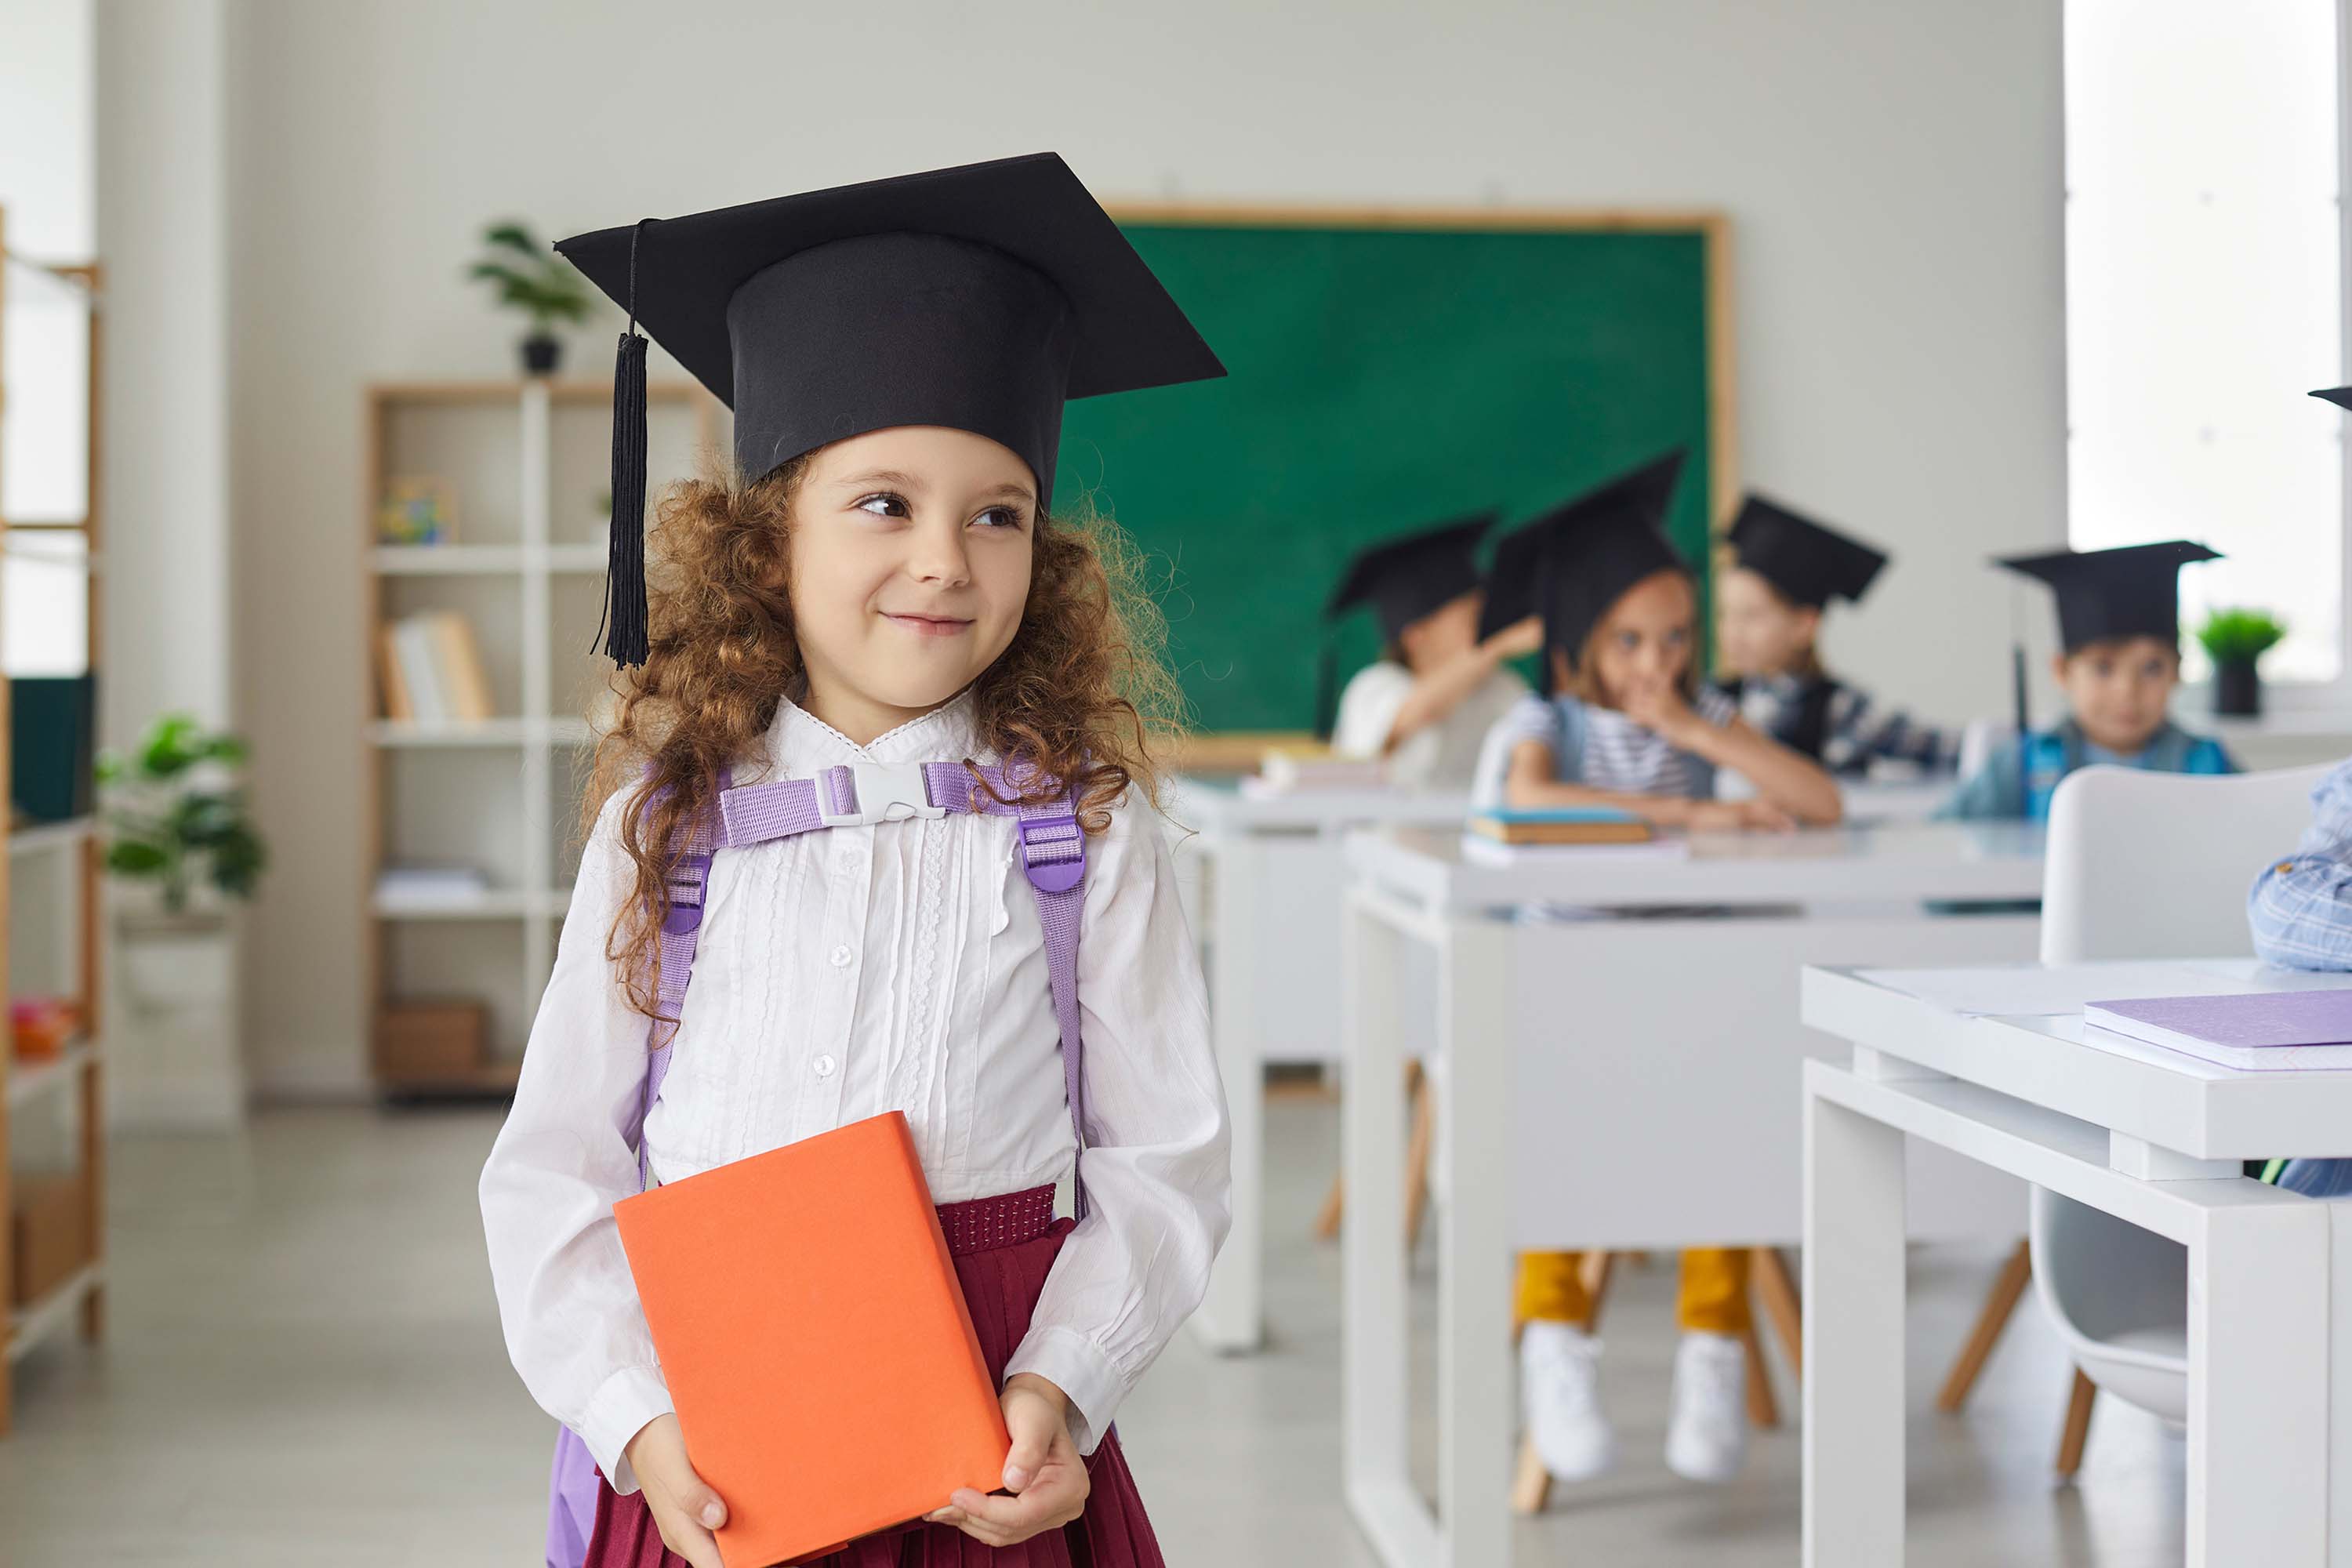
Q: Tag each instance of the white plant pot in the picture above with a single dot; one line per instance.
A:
(173, 1058)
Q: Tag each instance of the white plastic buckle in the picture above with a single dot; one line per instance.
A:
(885, 793)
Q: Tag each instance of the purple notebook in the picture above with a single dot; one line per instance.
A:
(2262, 1019)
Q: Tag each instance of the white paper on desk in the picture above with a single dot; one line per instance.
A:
(1494, 852)
(2028, 990)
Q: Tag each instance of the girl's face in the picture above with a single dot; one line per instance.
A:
(1644, 642)
(1757, 632)
(910, 558)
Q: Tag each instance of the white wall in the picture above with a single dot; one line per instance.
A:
(1892, 170)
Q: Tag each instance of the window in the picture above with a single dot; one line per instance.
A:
(2204, 298)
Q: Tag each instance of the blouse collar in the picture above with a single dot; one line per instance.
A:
(799, 744)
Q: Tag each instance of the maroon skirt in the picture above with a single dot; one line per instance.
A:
(1003, 1248)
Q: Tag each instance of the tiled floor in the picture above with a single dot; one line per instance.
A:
(305, 1368)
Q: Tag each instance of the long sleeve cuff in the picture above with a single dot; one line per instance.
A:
(617, 1412)
(1075, 1366)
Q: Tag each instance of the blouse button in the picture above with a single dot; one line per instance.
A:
(841, 957)
(824, 1066)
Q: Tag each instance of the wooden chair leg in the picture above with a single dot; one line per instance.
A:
(1327, 1218)
(1530, 1482)
(1763, 1410)
(1417, 1154)
(1599, 1268)
(1417, 1165)
(1778, 1289)
(1999, 1302)
(2078, 1425)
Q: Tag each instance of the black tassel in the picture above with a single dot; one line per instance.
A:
(1326, 689)
(624, 628)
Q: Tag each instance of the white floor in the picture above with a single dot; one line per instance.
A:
(304, 1367)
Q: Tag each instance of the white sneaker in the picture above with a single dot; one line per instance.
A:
(1707, 1436)
(1560, 1388)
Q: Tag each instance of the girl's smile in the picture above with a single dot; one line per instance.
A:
(928, 625)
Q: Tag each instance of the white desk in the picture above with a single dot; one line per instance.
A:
(1610, 1082)
(1263, 879)
(2147, 1135)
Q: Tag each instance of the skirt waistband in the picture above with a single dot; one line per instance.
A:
(1006, 1220)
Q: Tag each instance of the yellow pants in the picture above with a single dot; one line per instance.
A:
(1714, 1296)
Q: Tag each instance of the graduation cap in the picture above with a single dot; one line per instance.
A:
(2130, 592)
(977, 298)
(1573, 562)
(1405, 578)
(2339, 396)
(1805, 563)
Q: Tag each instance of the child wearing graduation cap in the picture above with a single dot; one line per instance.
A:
(879, 597)
(1626, 725)
(2119, 659)
(1424, 707)
(1768, 608)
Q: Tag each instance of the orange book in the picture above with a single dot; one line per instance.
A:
(815, 1341)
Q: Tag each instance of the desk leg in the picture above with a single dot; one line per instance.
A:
(2257, 1362)
(1231, 1318)
(1374, 1395)
(1474, 1303)
(1854, 1289)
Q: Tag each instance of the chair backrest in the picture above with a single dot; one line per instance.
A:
(2148, 865)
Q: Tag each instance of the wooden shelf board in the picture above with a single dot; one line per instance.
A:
(398, 733)
(505, 903)
(29, 1325)
(29, 1080)
(51, 834)
(561, 389)
(446, 560)
(491, 1077)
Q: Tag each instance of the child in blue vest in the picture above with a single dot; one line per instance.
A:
(2119, 631)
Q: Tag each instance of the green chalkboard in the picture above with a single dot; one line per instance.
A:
(1382, 378)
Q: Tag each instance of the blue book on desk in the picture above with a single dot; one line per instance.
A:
(1562, 825)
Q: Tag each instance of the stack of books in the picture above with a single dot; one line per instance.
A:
(1562, 825)
(432, 671)
(1283, 769)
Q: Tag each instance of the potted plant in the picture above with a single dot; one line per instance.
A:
(175, 817)
(174, 829)
(2233, 640)
(538, 282)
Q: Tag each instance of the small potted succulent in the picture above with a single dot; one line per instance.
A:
(535, 280)
(2233, 640)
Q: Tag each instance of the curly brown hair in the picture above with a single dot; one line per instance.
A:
(1080, 692)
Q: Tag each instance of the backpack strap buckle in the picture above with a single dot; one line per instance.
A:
(859, 795)
(1053, 849)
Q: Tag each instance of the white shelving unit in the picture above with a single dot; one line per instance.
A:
(51, 939)
(524, 463)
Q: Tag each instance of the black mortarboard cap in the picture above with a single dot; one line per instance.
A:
(977, 298)
(1807, 563)
(1405, 578)
(2130, 592)
(1575, 560)
(2339, 396)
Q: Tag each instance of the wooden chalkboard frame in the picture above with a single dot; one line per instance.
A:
(1220, 750)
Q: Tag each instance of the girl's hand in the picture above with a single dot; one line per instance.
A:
(685, 1510)
(1739, 816)
(1661, 708)
(1044, 1471)
(1516, 640)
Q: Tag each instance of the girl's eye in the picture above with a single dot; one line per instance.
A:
(1000, 517)
(885, 504)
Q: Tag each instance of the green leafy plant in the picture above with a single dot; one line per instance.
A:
(531, 279)
(2239, 637)
(174, 812)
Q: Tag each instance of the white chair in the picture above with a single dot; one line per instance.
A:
(2142, 864)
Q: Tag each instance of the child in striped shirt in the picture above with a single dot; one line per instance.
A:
(1626, 727)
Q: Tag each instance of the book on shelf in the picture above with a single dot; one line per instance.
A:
(424, 886)
(432, 671)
